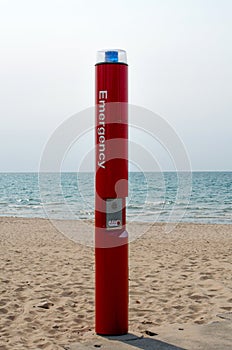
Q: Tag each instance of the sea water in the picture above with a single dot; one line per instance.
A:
(204, 197)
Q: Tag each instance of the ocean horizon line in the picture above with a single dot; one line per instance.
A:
(92, 172)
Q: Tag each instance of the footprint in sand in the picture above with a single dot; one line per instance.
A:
(197, 297)
(3, 310)
(226, 308)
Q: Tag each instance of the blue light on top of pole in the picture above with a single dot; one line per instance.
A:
(111, 56)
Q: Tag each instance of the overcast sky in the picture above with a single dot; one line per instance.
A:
(180, 67)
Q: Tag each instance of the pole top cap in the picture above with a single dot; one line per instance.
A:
(111, 56)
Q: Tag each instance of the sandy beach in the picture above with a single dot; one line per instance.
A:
(47, 281)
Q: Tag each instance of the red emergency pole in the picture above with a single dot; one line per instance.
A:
(111, 190)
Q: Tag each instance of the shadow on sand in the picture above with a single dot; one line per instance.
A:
(143, 342)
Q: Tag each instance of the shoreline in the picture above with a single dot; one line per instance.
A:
(47, 281)
(152, 223)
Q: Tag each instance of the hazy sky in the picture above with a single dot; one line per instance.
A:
(180, 67)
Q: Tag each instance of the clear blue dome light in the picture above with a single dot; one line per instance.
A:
(111, 56)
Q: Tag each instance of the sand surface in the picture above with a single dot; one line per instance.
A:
(47, 281)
